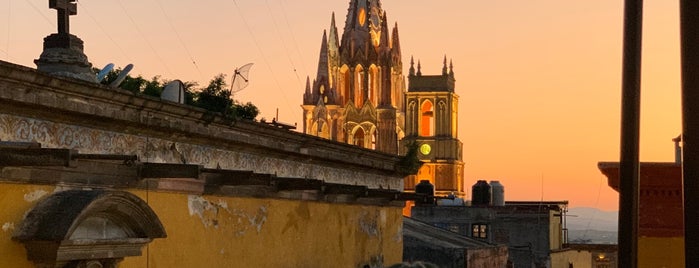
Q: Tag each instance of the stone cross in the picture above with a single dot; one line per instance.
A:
(65, 9)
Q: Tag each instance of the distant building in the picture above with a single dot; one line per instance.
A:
(531, 230)
(357, 94)
(424, 242)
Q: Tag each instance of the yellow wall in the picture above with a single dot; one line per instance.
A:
(654, 252)
(220, 231)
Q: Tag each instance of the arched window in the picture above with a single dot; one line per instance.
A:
(344, 84)
(359, 85)
(427, 119)
(374, 84)
(359, 137)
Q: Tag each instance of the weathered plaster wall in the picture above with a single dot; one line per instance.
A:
(221, 231)
(15, 201)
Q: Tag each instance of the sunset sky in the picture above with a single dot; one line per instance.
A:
(539, 80)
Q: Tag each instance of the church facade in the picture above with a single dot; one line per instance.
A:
(357, 95)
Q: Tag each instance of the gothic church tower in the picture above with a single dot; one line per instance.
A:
(432, 124)
(357, 95)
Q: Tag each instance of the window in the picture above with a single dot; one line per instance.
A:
(479, 230)
(427, 119)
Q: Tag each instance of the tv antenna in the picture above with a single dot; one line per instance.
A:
(240, 78)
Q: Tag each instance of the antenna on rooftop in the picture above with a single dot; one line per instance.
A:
(103, 73)
(122, 75)
(240, 78)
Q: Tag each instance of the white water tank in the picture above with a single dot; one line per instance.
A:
(498, 193)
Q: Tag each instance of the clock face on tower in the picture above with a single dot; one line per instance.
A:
(425, 149)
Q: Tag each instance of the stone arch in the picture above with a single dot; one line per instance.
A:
(88, 228)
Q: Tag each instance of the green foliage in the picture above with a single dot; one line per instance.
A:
(409, 164)
(215, 97)
(246, 111)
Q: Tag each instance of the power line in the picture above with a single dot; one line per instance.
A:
(155, 52)
(9, 27)
(293, 38)
(123, 52)
(179, 38)
(40, 13)
(247, 27)
(286, 50)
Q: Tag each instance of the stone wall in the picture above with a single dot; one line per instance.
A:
(64, 113)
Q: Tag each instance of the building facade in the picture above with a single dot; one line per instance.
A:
(531, 230)
(92, 176)
(432, 110)
(357, 94)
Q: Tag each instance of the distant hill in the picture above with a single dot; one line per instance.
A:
(583, 218)
(591, 225)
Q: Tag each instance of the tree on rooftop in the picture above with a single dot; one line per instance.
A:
(215, 97)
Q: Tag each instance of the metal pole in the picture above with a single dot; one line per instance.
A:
(689, 38)
(630, 123)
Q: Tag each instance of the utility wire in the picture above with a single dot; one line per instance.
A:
(286, 50)
(247, 26)
(179, 38)
(155, 52)
(293, 38)
(40, 13)
(84, 9)
(9, 27)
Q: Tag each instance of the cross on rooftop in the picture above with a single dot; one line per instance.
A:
(65, 9)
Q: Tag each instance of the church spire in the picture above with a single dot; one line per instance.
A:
(323, 60)
(307, 96)
(419, 72)
(384, 33)
(333, 43)
(412, 66)
(451, 68)
(395, 47)
(444, 66)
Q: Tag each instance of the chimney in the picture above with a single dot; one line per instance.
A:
(678, 149)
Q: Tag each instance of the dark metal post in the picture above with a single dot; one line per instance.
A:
(629, 172)
(689, 40)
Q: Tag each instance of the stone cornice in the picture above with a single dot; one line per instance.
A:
(29, 93)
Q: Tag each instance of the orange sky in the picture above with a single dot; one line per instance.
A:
(539, 80)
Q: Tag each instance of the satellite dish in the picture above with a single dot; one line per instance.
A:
(122, 75)
(103, 73)
(240, 78)
(174, 92)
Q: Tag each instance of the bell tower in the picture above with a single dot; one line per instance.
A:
(431, 122)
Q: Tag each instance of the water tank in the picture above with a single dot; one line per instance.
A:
(425, 187)
(498, 193)
(480, 193)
